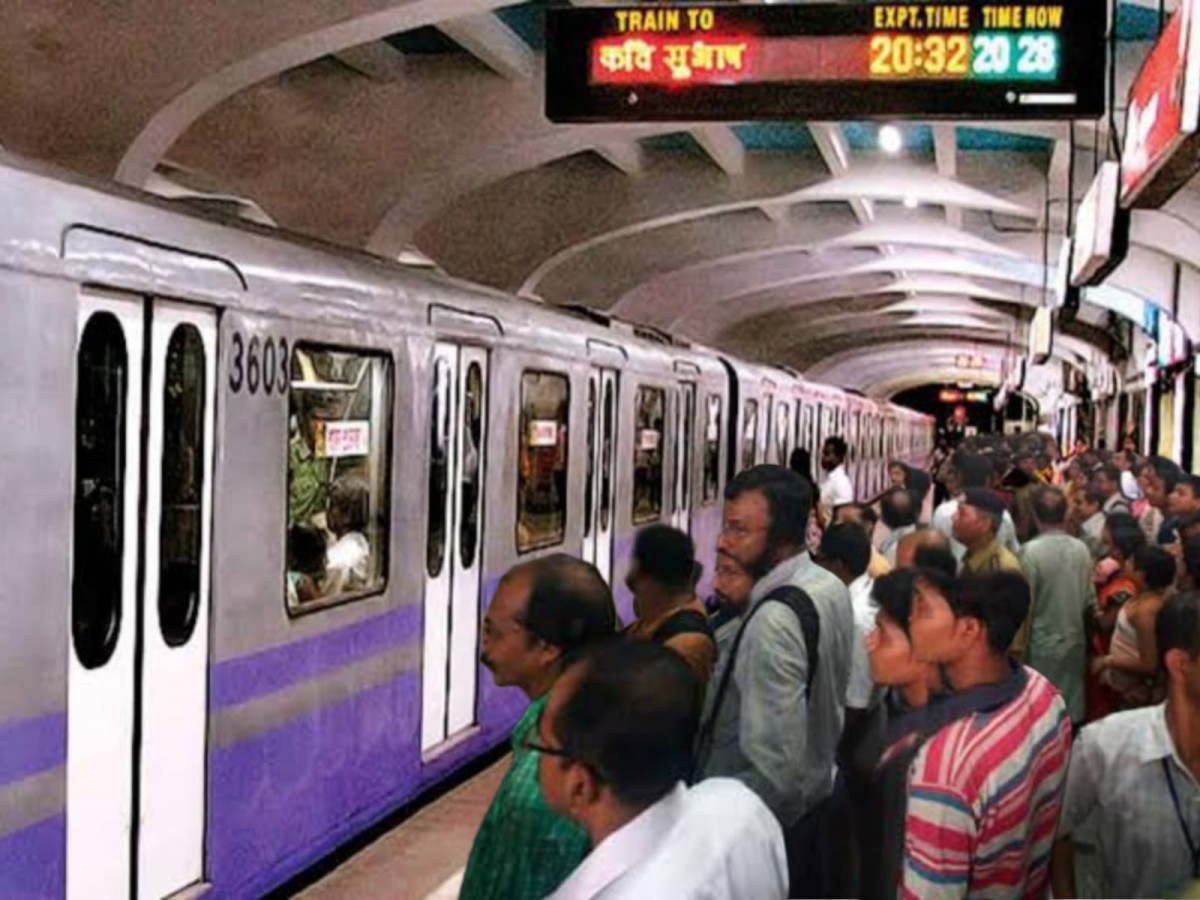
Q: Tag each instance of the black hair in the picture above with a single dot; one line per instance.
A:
(1050, 505)
(351, 498)
(1178, 625)
(973, 470)
(837, 445)
(1000, 600)
(893, 593)
(848, 544)
(789, 501)
(569, 605)
(1156, 565)
(632, 719)
(1167, 470)
(1093, 495)
(930, 557)
(1192, 482)
(1191, 558)
(1127, 535)
(666, 555)
(305, 550)
(918, 484)
(800, 462)
(898, 509)
(1110, 472)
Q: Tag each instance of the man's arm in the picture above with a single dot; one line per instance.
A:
(1062, 869)
(773, 726)
(1079, 799)
(940, 834)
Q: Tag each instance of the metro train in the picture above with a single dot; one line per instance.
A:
(259, 491)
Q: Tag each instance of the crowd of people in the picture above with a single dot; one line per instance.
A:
(961, 688)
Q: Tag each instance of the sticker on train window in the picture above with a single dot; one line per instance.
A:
(649, 439)
(338, 440)
(543, 433)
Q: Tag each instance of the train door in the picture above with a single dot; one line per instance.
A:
(457, 460)
(598, 522)
(141, 545)
(685, 427)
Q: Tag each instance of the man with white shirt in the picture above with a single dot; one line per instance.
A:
(616, 745)
(1134, 778)
(970, 471)
(845, 551)
(835, 487)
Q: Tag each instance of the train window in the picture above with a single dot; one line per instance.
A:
(589, 490)
(180, 527)
(782, 427)
(472, 436)
(99, 529)
(712, 449)
(750, 435)
(439, 466)
(648, 454)
(608, 439)
(542, 474)
(338, 474)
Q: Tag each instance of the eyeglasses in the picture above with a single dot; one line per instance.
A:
(530, 744)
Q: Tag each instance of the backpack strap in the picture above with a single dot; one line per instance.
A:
(810, 624)
(686, 621)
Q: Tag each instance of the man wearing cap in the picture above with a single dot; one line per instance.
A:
(976, 527)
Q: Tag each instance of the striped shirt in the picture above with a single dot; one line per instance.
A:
(984, 797)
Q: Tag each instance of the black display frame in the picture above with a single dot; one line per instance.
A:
(571, 98)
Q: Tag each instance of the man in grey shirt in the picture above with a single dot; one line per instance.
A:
(764, 728)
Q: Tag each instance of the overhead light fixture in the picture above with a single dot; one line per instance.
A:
(910, 202)
(890, 140)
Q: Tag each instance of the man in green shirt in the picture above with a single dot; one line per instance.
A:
(1059, 569)
(542, 611)
(308, 476)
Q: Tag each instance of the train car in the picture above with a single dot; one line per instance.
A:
(261, 491)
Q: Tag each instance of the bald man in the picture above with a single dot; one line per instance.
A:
(906, 550)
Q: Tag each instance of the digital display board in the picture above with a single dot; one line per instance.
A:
(826, 61)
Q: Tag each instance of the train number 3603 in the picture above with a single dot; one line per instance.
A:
(258, 364)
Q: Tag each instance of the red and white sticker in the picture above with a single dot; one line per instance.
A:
(543, 433)
(337, 440)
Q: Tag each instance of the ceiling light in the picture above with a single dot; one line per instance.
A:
(910, 202)
(890, 140)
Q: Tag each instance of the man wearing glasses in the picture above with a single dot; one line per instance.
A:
(616, 745)
(775, 708)
(542, 611)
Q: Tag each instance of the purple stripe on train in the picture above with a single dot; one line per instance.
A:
(281, 800)
(33, 860)
(29, 746)
(243, 678)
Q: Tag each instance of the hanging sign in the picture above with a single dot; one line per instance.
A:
(1161, 152)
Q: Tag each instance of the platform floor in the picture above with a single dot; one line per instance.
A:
(423, 858)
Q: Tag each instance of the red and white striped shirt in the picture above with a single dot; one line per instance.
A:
(984, 797)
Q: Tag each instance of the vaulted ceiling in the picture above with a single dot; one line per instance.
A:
(417, 125)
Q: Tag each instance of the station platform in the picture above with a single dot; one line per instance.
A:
(421, 859)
